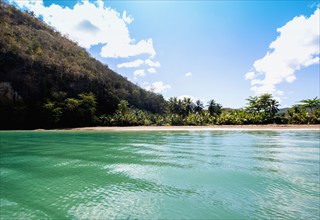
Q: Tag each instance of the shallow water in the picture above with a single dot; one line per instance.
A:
(160, 175)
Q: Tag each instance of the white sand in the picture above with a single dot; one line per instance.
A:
(205, 128)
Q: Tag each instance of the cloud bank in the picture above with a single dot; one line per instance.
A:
(296, 47)
(92, 23)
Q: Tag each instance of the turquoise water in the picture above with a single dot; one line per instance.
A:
(160, 175)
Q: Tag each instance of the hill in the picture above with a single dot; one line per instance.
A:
(40, 68)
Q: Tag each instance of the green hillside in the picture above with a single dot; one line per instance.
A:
(40, 69)
(48, 81)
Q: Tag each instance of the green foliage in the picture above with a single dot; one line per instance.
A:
(299, 114)
(198, 107)
(196, 119)
(253, 105)
(181, 107)
(311, 103)
(214, 108)
(62, 86)
(39, 62)
(264, 104)
(53, 113)
(123, 107)
(79, 111)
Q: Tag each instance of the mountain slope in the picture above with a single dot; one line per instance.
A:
(37, 64)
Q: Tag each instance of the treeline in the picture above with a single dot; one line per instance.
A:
(65, 112)
(259, 110)
(48, 81)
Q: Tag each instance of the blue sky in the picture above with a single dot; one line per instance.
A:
(204, 49)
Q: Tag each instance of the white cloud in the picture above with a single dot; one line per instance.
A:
(91, 24)
(135, 63)
(139, 73)
(127, 19)
(296, 47)
(138, 63)
(188, 74)
(158, 87)
(126, 49)
(250, 75)
(152, 70)
(152, 63)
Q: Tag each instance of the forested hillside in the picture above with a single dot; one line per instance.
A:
(48, 81)
(46, 77)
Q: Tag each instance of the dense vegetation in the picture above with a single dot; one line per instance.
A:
(40, 66)
(259, 110)
(48, 81)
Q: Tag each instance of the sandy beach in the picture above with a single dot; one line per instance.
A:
(204, 128)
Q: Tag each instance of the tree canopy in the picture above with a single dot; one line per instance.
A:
(48, 81)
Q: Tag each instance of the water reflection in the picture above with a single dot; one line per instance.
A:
(133, 175)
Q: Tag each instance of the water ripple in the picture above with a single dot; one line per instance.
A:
(160, 175)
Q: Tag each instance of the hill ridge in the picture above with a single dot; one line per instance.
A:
(38, 64)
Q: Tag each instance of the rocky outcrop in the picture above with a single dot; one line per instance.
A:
(7, 92)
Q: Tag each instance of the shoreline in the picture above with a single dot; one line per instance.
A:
(271, 127)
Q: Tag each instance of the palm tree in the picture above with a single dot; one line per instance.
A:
(177, 106)
(273, 107)
(188, 106)
(198, 106)
(173, 105)
(253, 105)
(311, 103)
(264, 102)
(214, 108)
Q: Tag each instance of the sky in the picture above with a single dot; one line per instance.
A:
(221, 50)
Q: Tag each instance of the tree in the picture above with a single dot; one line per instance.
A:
(175, 106)
(253, 105)
(198, 106)
(264, 102)
(123, 107)
(273, 107)
(269, 105)
(187, 106)
(214, 108)
(79, 111)
(297, 115)
(88, 105)
(172, 105)
(311, 103)
(71, 112)
(53, 112)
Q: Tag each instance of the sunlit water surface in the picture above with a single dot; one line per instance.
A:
(160, 175)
